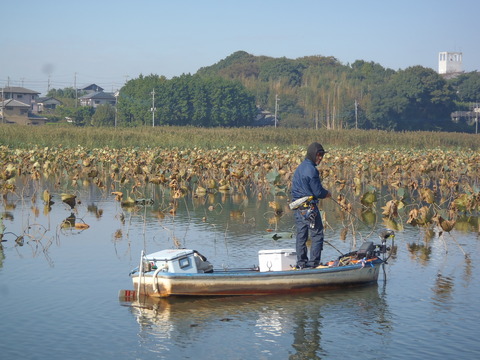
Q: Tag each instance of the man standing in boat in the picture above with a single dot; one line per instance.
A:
(306, 184)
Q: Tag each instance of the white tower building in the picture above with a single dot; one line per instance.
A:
(449, 62)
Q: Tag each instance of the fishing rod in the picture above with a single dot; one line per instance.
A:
(353, 214)
(384, 234)
(344, 208)
(328, 243)
(306, 199)
(299, 202)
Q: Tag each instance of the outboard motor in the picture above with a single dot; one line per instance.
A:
(384, 235)
(366, 251)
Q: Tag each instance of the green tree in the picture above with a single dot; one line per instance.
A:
(238, 65)
(104, 115)
(187, 100)
(416, 98)
(135, 99)
(370, 72)
(282, 69)
(468, 89)
(80, 116)
(68, 92)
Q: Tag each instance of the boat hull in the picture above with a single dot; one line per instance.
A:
(222, 283)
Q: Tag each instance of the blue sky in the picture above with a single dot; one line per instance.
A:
(107, 42)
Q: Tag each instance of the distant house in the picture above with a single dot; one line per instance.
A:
(16, 112)
(469, 117)
(21, 94)
(97, 98)
(264, 118)
(92, 88)
(47, 104)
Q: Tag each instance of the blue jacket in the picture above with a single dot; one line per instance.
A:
(306, 181)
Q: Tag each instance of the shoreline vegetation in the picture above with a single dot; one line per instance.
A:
(185, 137)
(418, 178)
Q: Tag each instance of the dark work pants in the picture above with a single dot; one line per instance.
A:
(316, 235)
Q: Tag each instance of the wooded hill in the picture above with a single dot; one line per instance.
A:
(308, 92)
(319, 91)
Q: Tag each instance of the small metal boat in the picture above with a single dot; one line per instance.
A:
(183, 272)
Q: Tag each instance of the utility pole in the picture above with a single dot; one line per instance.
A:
(476, 110)
(3, 105)
(276, 108)
(153, 108)
(356, 114)
(75, 86)
(117, 93)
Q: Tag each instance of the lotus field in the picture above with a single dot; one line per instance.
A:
(437, 187)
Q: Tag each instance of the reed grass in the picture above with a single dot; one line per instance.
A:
(211, 138)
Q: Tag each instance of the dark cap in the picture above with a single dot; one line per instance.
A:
(313, 150)
(321, 149)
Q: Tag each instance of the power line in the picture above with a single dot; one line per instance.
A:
(59, 81)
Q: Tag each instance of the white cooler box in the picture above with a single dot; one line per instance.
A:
(277, 259)
(174, 260)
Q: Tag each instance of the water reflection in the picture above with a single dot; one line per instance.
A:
(420, 252)
(294, 323)
(229, 229)
(307, 335)
(443, 292)
(2, 255)
(467, 275)
(467, 223)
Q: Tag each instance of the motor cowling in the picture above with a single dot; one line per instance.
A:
(366, 250)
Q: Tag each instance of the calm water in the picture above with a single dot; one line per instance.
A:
(59, 291)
